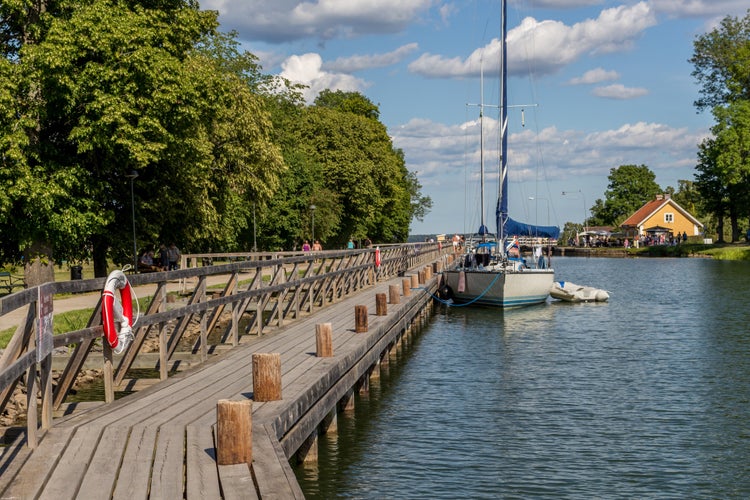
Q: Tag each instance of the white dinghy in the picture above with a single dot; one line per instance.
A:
(570, 292)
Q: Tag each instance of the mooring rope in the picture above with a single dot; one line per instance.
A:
(450, 303)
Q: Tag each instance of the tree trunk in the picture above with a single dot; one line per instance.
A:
(100, 258)
(734, 222)
(720, 227)
(39, 267)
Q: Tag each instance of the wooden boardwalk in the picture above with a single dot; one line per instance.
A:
(160, 442)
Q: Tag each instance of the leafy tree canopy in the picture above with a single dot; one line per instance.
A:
(630, 186)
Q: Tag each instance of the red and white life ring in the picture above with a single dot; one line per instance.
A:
(117, 311)
(377, 256)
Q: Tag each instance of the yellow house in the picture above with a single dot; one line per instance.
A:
(661, 216)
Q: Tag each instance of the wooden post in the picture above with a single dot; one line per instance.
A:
(427, 272)
(415, 280)
(323, 340)
(266, 376)
(234, 432)
(394, 294)
(406, 286)
(360, 319)
(381, 309)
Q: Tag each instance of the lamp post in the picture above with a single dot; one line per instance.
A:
(132, 176)
(536, 210)
(312, 209)
(585, 210)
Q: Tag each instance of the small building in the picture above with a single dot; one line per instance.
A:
(659, 217)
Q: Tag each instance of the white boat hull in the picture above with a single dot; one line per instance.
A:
(570, 292)
(506, 288)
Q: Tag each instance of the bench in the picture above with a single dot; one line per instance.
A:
(8, 282)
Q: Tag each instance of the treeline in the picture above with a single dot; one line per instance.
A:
(104, 96)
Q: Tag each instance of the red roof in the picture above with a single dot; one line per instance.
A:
(642, 213)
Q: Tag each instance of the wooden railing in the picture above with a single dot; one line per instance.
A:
(264, 291)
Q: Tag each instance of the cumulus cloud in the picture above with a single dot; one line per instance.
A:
(619, 91)
(278, 21)
(440, 153)
(597, 75)
(547, 46)
(308, 70)
(359, 62)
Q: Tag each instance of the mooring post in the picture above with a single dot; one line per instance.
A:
(406, 286)
(234, 432)
(360, 319)
(394, 294)
(324, 340)
(416, 279)
(267, 376)
(381, 309)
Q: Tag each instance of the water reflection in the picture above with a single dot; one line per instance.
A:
(644, 396)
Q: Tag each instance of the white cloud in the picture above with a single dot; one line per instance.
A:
(547, 46)
(700, 8)
(277, 21)
(596, 75)
(307, 69)
(440, 153)
(619, 91)
(359, 62)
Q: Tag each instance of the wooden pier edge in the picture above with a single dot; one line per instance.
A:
(282, 426)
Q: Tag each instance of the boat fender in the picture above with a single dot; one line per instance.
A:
(117, 311)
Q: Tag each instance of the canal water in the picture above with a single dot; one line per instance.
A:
(647, 396)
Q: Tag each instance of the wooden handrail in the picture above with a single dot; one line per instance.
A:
(303, 280)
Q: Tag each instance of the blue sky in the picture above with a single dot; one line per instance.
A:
(602, 83)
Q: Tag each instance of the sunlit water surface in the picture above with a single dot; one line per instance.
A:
(647, 396)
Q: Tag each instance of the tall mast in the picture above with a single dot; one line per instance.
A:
(481, 148)
(502, 200)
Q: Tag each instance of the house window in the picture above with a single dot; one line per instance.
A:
(669, 217)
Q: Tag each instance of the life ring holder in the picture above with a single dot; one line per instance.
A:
(377, 257)
(116, 311)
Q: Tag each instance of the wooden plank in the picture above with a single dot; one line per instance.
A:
(167, 472)
(237, 482)
(135, 472)
(67, 476)
(102, 472)
(202, 475)
(273, 474)
(31, 479)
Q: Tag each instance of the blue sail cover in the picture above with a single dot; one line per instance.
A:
(514, 228)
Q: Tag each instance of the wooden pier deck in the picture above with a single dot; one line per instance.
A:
(161, 442)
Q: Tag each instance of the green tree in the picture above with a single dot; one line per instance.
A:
(722, 63)
(121, 87)
(724, 166)
(630, 186)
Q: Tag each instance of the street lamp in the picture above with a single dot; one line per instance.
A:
(585, 210)
(536, 210)
(312, 209)
(132, 176)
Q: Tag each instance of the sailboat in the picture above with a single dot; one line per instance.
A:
(493, 273)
